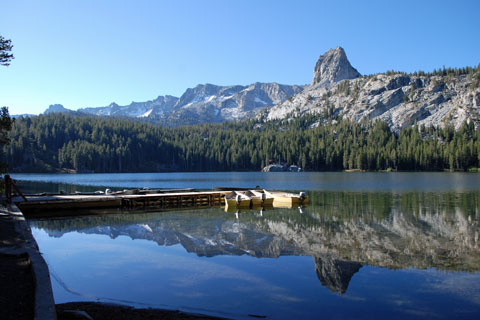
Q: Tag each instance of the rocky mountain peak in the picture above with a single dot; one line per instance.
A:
(333, 66)
(56, 108)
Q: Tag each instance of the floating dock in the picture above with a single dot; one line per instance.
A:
(32, 204)
(143, 199)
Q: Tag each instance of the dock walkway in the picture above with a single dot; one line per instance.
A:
(36, 203)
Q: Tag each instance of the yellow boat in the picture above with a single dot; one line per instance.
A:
(255, 200)
(236, 200)
(266, 200)
(286, 199)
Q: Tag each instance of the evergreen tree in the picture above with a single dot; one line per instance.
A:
(5, 49)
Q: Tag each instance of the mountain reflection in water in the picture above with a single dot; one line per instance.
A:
(341, 231)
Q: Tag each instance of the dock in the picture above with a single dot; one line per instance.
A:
(145, 199)
(32, 204)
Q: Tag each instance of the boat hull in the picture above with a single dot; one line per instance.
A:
(267, 201)
(286, 200)
(237, 200)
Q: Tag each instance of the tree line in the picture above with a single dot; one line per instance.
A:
(50, 143)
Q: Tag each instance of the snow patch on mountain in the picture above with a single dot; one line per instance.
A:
(206, 103)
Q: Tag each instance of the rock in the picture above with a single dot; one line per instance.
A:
(56, 108)
(437, 86)
(333, 66)
(275, 168)
(281, 167)
(477, 99)
(398, 82)
(396, 98)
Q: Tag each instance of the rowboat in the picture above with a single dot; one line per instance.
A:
(255, 200)
(237, 200)
(266, 200)
(286, 199)
(231, 200)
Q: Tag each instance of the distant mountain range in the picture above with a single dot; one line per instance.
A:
(337, 90)
(206, 103)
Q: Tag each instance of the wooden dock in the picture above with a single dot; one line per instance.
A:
(32, 204)
(142, 199)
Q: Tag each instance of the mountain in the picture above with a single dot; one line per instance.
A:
(445, 97)
(146, 109)
(23, 115)
(210, 103)
(332, 67)
(206, 103)
(338, 90)
(56, 108)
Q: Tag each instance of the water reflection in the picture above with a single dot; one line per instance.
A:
(342, 231)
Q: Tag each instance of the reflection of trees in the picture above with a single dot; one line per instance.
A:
(50, 187)
(341, 230)
(345, 205)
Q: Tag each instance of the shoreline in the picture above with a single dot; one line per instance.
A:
(73, 171)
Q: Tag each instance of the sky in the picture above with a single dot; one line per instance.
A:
(90, 53)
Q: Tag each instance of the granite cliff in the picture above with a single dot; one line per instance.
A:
(447, 97)
(332, 67)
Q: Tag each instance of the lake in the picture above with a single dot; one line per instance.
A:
(369, 245)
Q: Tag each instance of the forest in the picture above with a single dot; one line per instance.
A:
(67, 143)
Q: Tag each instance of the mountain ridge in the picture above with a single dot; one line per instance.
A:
(205, 103)
(444, 97)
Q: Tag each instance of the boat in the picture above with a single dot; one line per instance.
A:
(244, 200)
(267, 201)
(286, 199)
(231, 200)
(255, 200)
(236, 200)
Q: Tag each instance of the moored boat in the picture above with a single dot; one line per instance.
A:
(235, 199)
(266, 200)
(283, 199)
(244, 200)
(255, 200)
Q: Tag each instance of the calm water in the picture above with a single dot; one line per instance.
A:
(356, 181)
(400, 246)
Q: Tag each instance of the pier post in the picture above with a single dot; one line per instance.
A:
(8, 188)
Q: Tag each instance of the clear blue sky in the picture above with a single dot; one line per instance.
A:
(89, 53)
